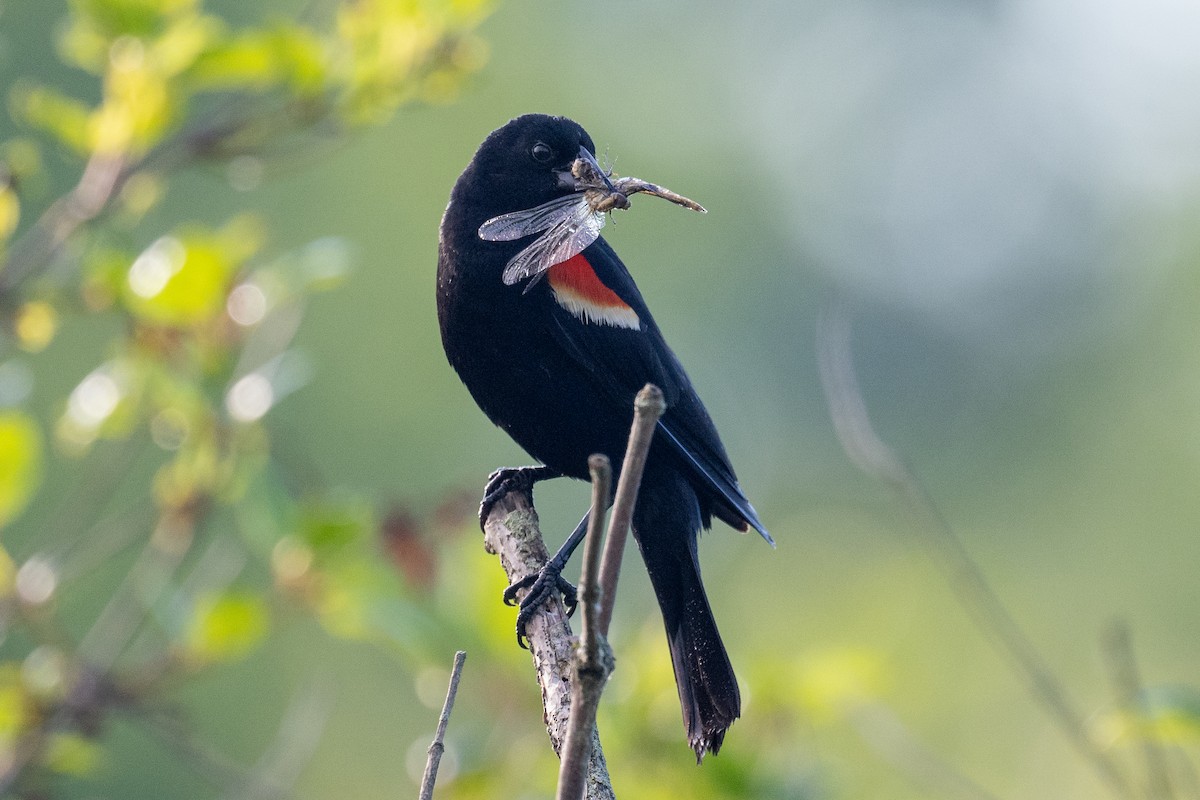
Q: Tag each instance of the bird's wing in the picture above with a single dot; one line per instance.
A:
(625, 352)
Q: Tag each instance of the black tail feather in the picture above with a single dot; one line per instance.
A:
(666, 524)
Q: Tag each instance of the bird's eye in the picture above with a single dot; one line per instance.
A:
(542, 153)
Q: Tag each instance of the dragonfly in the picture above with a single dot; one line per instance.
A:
(570, 223)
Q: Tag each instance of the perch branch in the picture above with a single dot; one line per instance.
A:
(572, 680)
(511, 532)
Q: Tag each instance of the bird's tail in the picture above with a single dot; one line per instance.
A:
(666, 523)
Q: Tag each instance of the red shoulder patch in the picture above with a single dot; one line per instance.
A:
(578, 289)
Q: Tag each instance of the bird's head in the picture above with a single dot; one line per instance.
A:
(532, 159)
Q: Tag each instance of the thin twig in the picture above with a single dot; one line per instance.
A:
(593, 658)
(648, 408)
(211, 764)
(103, 176)
(1123, 671)
(129, 606)
(598, 587)
(438, 746)
(872, 455)
(275, 773)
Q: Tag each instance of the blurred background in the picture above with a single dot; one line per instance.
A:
(253, 529)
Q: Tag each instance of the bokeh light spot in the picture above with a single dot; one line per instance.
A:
(94, 399)
(250, 398)
(245, 173)
(247, 304)
(154, 268)
(36, 581)
(169, 428)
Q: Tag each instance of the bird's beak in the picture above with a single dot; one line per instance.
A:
(585, 173)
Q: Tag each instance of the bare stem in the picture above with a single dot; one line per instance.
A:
(438, 746)
(1127, 682)
(598, 587)
(102, 177)
(593, 658)
(591, 593)
(648, 408)
(873, 456)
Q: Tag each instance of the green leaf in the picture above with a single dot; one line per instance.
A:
(329, 528)
(16, 710)
(362, 599)
(8, 577)
(184, 41)
(227, 626)
(263, 59)
(10, 212)
(302, 57)
(114, 18)
(139, 103)
(247, 61)
(832, 679)
(1173, 712)
(22, 158)
(20, 462)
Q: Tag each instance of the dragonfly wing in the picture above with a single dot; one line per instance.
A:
(519, 224)
(564, 240)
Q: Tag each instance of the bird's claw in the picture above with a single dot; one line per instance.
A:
(506, 480)
(542, 586)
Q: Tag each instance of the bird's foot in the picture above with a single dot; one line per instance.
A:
(543, 586)
(510, 479)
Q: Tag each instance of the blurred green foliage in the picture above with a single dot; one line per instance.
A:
(207, 592)
(197, 328)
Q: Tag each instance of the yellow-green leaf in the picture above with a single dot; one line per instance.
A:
(179, 281)
(20, 462)
(63, 117)
(115, 18)
(227, 626)
(15, 708)
(22, 158)
(184, 41)
(10, 212)
(246, 61)
(302, 57)
(138, 106)
(8, 573)
(833, 679)
(35, 324)
(1168, 713)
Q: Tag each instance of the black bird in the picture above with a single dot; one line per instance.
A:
(555, 360)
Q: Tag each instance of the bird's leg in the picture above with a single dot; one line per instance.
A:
(511, 479)
(547, 582)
